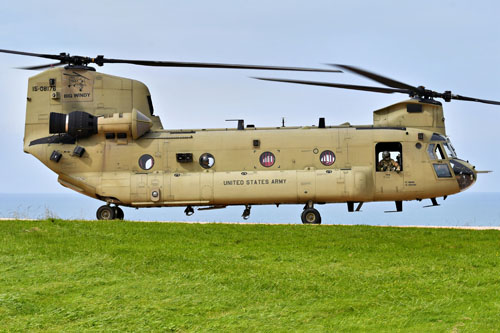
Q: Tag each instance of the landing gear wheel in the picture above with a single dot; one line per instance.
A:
(106, 213)
(119, 213)
(246, 212)
(311, 216)
(189, 211)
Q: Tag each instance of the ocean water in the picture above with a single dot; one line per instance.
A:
(464, 209)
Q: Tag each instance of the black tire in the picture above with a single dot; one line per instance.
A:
(105, 213)
(311, 216)
(119, 213)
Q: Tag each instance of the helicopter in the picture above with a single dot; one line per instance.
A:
(100, 135)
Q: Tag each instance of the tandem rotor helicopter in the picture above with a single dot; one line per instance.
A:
(99, 134)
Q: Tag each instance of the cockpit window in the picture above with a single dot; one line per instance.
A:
(464, 175)
(437, 137)
(439, 152)
(448, 145)
(449, 150)
(430, 151)
(442, 170)
(436, 152)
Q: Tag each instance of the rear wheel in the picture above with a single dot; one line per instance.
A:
(119, 213)
(105, 213)
(311, 216)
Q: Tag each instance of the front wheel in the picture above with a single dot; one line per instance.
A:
(311, 216)
(105, 213)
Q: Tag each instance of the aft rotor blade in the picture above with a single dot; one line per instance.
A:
(39, 55)
(41, 66)
(101, 61)
(339, 85)
(376, 77)
(473, 99)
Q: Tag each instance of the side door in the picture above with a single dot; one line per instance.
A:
(389, 173)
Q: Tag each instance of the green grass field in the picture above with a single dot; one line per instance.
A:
(124, 276)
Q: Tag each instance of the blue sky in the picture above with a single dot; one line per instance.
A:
(444, 45)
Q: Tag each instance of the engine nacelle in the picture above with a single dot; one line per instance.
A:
(81, 124)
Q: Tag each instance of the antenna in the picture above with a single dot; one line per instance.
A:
(241, 123)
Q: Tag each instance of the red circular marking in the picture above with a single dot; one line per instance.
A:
(267, 159)
(327, 157)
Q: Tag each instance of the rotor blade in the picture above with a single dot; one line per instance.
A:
(101, 61)
(40, 55)
(338, 85)
(42, 66)
(473, 99)
(376, 77)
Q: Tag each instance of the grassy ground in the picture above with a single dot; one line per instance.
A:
(76, 276)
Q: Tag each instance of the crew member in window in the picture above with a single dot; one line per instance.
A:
(387, 163)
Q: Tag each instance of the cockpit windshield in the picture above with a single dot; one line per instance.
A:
(450, 150)
(437, 137)
(435, 148)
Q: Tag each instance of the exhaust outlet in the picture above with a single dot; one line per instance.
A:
(78, 124)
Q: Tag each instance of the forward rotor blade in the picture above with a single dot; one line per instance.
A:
(376, 77)
(41, 66)
(100, 61)
(473, 99)
(338, 85)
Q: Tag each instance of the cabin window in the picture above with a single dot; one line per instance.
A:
(267, 159)
(146, 162)
(207, 160)
(389, 156)
(327, 158)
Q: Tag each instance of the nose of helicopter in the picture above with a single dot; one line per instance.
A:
(464, 172)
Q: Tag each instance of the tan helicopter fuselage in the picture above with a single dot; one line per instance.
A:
(219, 167)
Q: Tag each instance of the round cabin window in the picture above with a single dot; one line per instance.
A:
(267, 159)
(207, 160)
(146, 162)
(327, 157)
